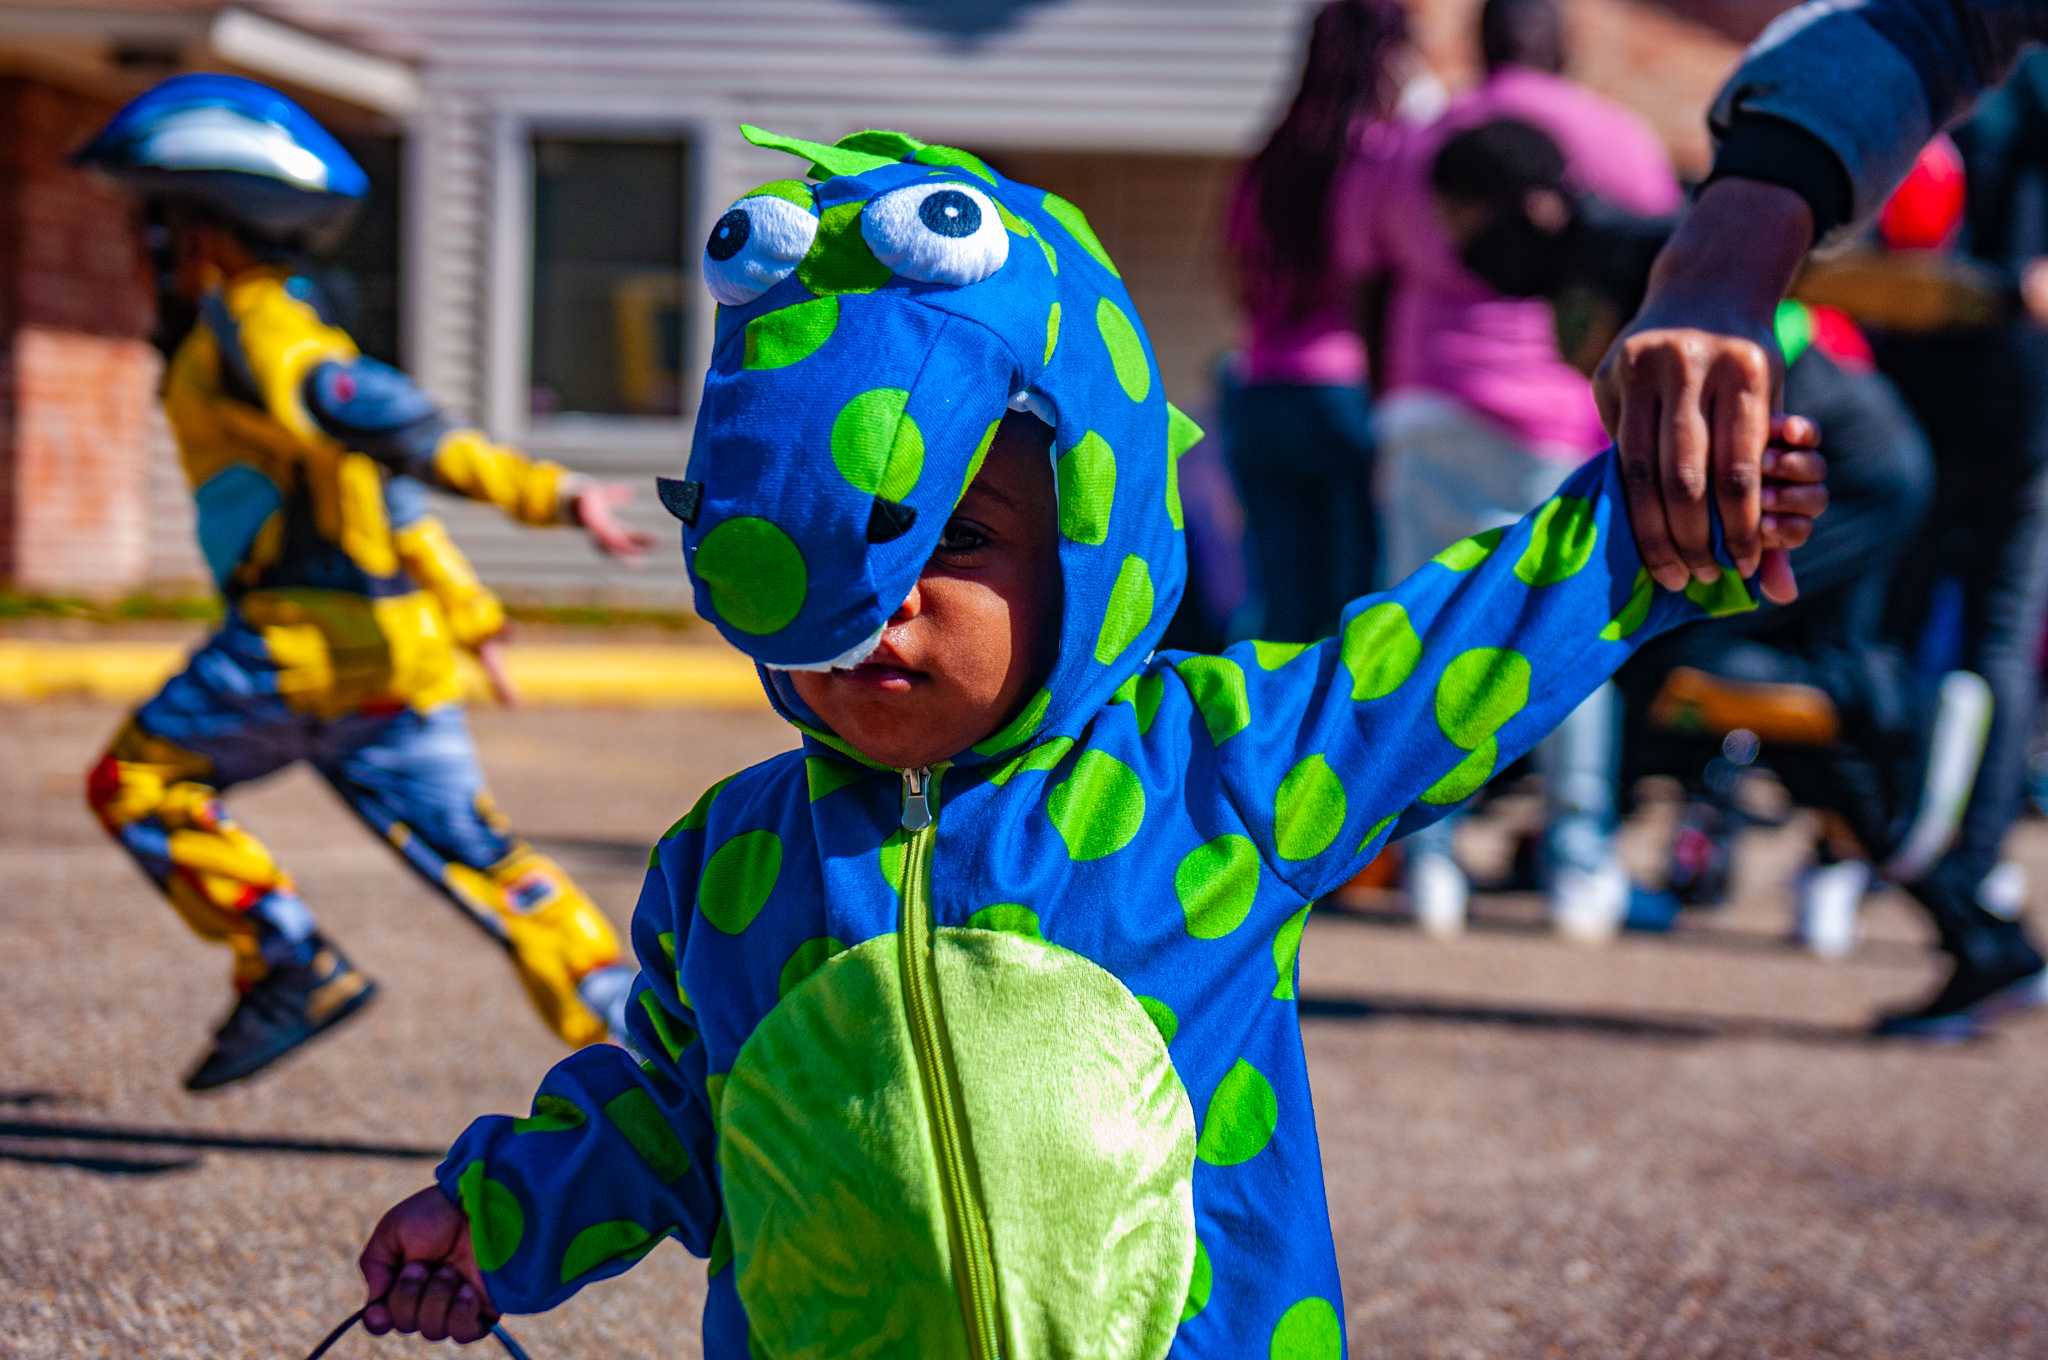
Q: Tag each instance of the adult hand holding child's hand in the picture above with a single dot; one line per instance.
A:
(419, 1274)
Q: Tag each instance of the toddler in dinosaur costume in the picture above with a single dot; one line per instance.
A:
(970, 1025)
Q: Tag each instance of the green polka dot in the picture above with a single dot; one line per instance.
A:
(1043, 757)
(1012, 917)
(1218, 687)
(714, 1087)
(1097, 808)
(1070, 217)
(1381, 650)
(824, 775)
(675, 1036)
(635, 1115)
(496, 1223)
(1052, 331)
(1286, 946)
(1727, 595)
(1309, 810)
(1151, 689)
(1562, 537)
(790, 335)
(788, 190)
(737, 879)
(1271, 656)
(1634, 611)
(1019, 729)
(1308, 1331)
(1466, 777)
(839, 261)
(1125, 693)
(1128, 611)
(1241, 1117)
(1468, 553)
(667, 941)
(551, 1114)
(974, 463)
(890, 858)
(962, 160)
(1199, 1283)
(1216, 882)
(1377, 827)
(1086, 477)
(1481, 689)
(808, 958)
(1162, 1017)
(600, 1243)
(1126, 351)
(876, 445)
(754, 574)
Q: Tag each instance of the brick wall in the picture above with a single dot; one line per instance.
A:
(77, 376)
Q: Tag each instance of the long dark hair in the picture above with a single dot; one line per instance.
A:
(1279, 218)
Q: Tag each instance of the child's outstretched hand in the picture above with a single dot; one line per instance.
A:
(1795, 494)
(420, 1275)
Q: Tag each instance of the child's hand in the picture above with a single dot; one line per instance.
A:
(1795, 494)
(420, 1275)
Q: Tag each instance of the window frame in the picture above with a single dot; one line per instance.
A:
(508, 300)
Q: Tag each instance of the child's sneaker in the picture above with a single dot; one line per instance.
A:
(1438, 892)
(290, 1005)
(1588, 890)
(1975, 994)
(1829, 897)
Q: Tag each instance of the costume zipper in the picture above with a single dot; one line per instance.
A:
(973, 1262)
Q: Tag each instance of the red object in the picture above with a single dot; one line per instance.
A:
(1836, 336)
(1926, 211)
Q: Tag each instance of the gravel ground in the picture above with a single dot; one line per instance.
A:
(1674, 1147)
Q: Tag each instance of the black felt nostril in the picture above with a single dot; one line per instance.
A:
(680, 498)
(889, 520)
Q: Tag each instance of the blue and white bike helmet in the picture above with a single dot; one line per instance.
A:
(237, 148)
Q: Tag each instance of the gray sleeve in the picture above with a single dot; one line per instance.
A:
(1870, 81)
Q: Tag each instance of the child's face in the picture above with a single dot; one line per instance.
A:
(975, 637)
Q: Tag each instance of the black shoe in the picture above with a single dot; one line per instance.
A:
(289, 1006)
(1975, 994)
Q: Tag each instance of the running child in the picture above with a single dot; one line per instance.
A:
(971, 1024)
(346, 599)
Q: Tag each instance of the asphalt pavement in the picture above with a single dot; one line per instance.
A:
(1678, 1146)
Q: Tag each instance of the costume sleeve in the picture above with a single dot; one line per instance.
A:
(372, 408)
(1330, 750)
(1838, 96)
(431, 558)
(616, 1154)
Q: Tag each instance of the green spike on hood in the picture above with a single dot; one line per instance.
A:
(826, 161)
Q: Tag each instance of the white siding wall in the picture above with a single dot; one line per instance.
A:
(1151, 81)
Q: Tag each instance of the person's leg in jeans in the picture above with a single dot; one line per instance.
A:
(1300, 456)
(2004, 573)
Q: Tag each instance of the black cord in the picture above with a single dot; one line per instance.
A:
(504, 1338)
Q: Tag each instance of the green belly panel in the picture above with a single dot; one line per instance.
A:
(1081, 1146)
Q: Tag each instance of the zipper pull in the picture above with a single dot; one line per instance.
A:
(917, 807)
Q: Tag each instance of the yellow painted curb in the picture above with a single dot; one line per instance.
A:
(545, 674)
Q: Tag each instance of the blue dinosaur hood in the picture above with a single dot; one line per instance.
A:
(873, 330)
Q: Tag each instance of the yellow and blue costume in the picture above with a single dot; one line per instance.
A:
(347, 602)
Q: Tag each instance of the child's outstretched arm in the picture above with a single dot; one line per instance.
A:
(616, 1155)
(1431, 688)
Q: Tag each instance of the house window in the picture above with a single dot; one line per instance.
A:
(608, 322)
